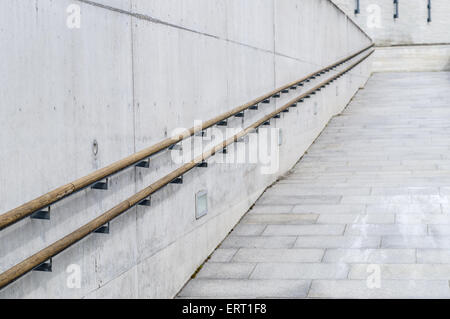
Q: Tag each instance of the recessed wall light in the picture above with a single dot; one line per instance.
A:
(201, 204)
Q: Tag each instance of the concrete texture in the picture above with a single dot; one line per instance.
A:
(409, 43)
(376, 18)
(412, 58)
(132, 73)
(386, 159)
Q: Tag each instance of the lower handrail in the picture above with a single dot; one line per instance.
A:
(57, 247)
(28, 208)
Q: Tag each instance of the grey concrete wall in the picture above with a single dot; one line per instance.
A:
(419, 58)
(412, 27)
(132, 73)
(409, 43)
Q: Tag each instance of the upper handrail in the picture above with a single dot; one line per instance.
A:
(25, 210)
(50, 251)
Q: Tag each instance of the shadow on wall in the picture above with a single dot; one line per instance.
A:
(447, 66)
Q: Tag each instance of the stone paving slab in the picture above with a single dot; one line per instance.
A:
(325, 209)
(372, 256)
(347, 241)
(298, 230)
(424, 219)
(364, 214)
(356, 219)
(403, 271)
(259, 242)
(271, 209)
(433, 256)
(280, 219)
(300, 271)
(384, 230)
(417, 242)
(248, 230)
(279, 255)
(223, 254)
(226, 270)
(404, 289)
(299, 199)
(218, 288)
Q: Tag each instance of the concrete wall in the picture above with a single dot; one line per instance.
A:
(409, 43)
(132, 73)
(419, 58)
(412, 27)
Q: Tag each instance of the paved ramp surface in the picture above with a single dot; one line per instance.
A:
(364, 214)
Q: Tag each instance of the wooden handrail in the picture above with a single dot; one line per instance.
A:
(53, 196)
(45, 254)
(61, 192)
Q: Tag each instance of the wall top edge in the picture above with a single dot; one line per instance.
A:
(412, 45)
(351, 20)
